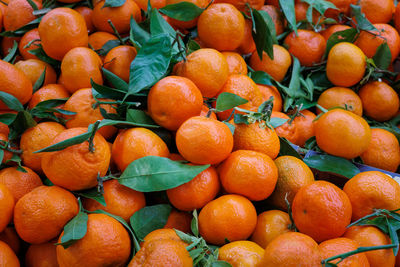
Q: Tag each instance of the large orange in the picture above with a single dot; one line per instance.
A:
(118, 60)
(7, 256)
(340, 97)
(378, 11)
(236, 63)
(19, 13)
(48, 92)
(33, 68)
(287, 130)
(18, 182)
(6, 206)
(241, 253)
(41, 255)
(27, 38)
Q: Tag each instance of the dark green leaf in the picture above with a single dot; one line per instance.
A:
(41, 12)
(393, 237)
(113, 3)
(362, 22)
(22, 122)
(51, 103)
(107, 92)
(271, 25)
(288, 10)
(226, 101)
(320, 5)
(47, 182)
(13, 52)
(194, 225)
(107, 47)
(158, 25)
(276, 122)
(151, 173)
(93, 194)
(183, 11)
(261, 77)
(383, 56)
(39, 82)
(348, 36)
(185, 237)
(1, 155)
(116, 81)
(192, 46)
(74, 230)
(21, 31)
(150, 218)
(33, 5)
(286, 149)
(66, 143)
(107, 122)
(262, 35)
(138, 35)
(11, 101)
(7, 118)
(221, 264)
(139, 116)
(39, 52)
(328, 163)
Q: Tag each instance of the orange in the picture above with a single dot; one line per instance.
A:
(340, 97)
(277, 17)
(19, 183)
(343, 6)
(301, 9)
(197, 193)
(6, 206)
(321, 210)
(119, 16)
(11, 238)
(154, 4)
(178, 23)
(7, 256)
(380, 11)
(267, 91)
(106, 243)
(33, 68)
(333, 29)
(241, 5)
(293, 174)
(308, 46)
(173, 100)
(48, 92)
(369, 42)
(248, 173)
(340, 128)
(247, 45)
(241, 253)
(7, 43)
(79, 66)
(99, 38)
(118, 61)
(161, 234)
(207, 69)
(81, 102)
(256, 137)
(305, 125)
(236, 63)
(121, 200)
(61, 30)
(204, 111)
(372, 190)
(346, 64)
(287, 130)
(35, 138)
(86, 13)
(291, 250)
(179, 220)
(40, 215)
(41, 255)
(383, 151)
(135, 143)
(270, 224)
(202, 140)
(221, 26)
(14, 82)
(369, 236)
(231, 217)
(75, 167)
(379, 100)
(336, 246)
(276, 67)
(28, 37)
(19, 13)
(397, 18)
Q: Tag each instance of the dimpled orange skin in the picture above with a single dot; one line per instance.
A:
(231, 217)
(82, 102)
(33, 68)
(307, 46)
(14, 82)
(286, 130)
(257, 138)
(197, 193)
(346, 64)
(241, 253)
(75, 167)
(267, 91)
(19, 183)
(270, 224)
(121, 200)
(292, 250)
(305, 126)
(79, 66)
(36, 138)
(18, 13)
(248, 173)
(276, 67)
(221, 26)
(118, 60)
(336, 246)
(25, 40)
(380, 101)
(372, 190)
(170, 93)
(332, 29)
(61, 30)
(340, 97)
(203, 140)
(119, 16)
(342, 133)
(236, 63)
(7, 256)
(369, 236)
(40, 215)
(41, 255)
(321, 210)
(383, 151)
(207, 69)
(6, 206)
(106, 243)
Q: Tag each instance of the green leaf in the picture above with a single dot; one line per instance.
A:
(139, 116)
(115, 80)
(152, 173)
(383, 56)
(107, 122)
(362, 22)
(11, 101)
(348, 36)
(320, 5)
(22, 122)
(66, 143)
(39, 82)
(22, 30)
(192, 46)
(108, 92)
(230, 126)
(93, 194)
(110, 44)
(393, 237)
(183, 11)
(39, 52)
(271, 25)
(262, 35)
(158, 25)
(74, 230)
(113, 3)
(261, 77)
(288, 10)
(51, 103)
(150, 218)
(226, 101)
(1, 155)
(137, 34)
(328, 163)
(13, 52)
(7, 118)
(221, 264)
(33, 5)
(286, 149)
(276, 122)
(194, 225)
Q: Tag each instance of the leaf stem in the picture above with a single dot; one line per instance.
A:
(91, 143)
(116, 32)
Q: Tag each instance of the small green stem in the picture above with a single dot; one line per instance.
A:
(376, 213)
(116, 32)
(91, 144)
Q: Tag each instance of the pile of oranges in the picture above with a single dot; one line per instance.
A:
(161, 133)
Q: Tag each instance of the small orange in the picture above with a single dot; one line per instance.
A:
(11, 238)
(321, 210)
(241, 5)
(135, 143)
(231, 217)
(270, 224)
(305, 125)
(247, 45)
(202, 140)
(340, 128)
(241, 253)
(7, 256)
(19, 13)
(118, 60)
(86, 13)
(6, 206)
(236, 63)
(276, 67)
(277, 17)
(31, 37)
(380, 11)
(48, 92)
(379, 100)
(333, 29)
(197, 193)
(267, 91)
(287, 130)
(153, 3)
(340, 97)
(19, 183)
(99, 38)
(41, 255)
(179, 220)
(248, 173)
(120, 200)
(33, 68)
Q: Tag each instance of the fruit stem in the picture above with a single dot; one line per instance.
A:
(116, 32)
(91, 143)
